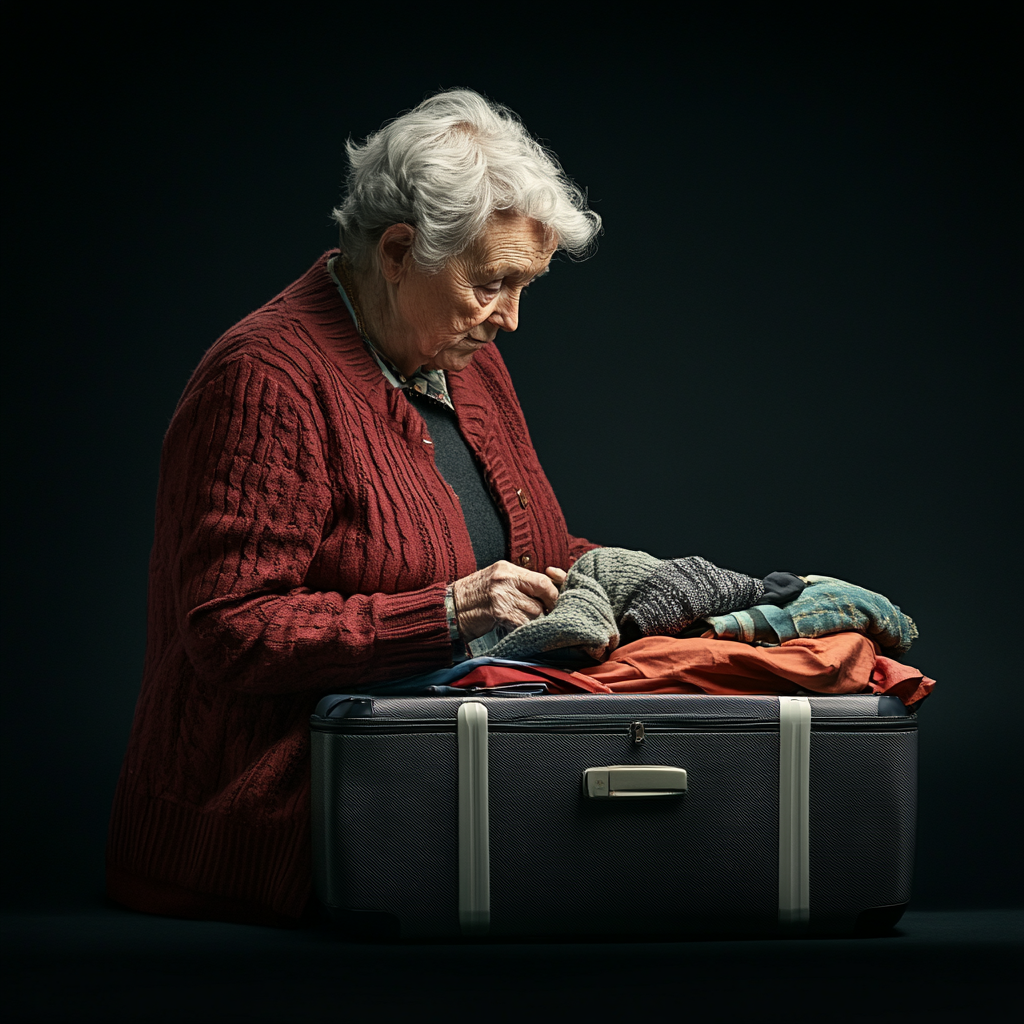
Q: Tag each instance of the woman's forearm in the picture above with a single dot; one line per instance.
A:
(285, 642)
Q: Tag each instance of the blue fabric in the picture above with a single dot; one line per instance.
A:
(440, 677)
(781, 620)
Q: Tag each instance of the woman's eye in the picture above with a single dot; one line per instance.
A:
(491, 289)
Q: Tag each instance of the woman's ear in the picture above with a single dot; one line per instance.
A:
(394, 252)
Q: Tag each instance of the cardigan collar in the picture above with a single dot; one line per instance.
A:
(478, 391)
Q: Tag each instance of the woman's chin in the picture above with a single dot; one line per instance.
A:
(454, 359)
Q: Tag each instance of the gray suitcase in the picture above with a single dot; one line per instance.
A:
(585, 814)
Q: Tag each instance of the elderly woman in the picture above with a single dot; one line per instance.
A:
(348, 494)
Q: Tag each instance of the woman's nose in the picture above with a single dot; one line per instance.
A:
(506, 313)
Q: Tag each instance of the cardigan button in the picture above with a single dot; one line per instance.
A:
(525, 559)
(524, 497)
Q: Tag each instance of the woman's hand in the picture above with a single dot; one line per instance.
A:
(556, 574)
(504, 593)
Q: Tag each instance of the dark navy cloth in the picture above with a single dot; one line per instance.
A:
(424, 682)
(458, 466)
(781, 588)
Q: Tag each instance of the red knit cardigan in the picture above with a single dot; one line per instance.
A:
(304, 540)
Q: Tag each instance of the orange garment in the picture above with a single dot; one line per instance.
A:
(840, 663)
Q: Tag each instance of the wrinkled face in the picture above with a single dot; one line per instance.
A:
(440, 321)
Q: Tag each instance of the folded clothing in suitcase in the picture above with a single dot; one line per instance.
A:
(608, 814)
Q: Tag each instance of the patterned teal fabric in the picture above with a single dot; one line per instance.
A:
(827, 605)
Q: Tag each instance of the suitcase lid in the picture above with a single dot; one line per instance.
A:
(697, 708)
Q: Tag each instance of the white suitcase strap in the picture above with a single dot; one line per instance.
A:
(474, 821)
(794, 810)
(794, 818)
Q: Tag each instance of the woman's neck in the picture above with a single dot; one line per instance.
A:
(369, 297)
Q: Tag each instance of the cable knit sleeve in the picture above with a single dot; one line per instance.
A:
(245, 502)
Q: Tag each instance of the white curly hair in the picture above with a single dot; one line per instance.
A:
(445, 167)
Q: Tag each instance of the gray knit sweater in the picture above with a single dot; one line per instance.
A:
(613, 595)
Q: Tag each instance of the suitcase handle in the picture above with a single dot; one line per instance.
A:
(633, 780)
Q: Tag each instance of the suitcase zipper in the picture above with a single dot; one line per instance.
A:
(604, 725)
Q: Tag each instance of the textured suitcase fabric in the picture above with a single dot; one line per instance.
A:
(805, 828)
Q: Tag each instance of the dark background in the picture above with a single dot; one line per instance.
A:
(793, 349)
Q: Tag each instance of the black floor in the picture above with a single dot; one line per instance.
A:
(111, 965)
